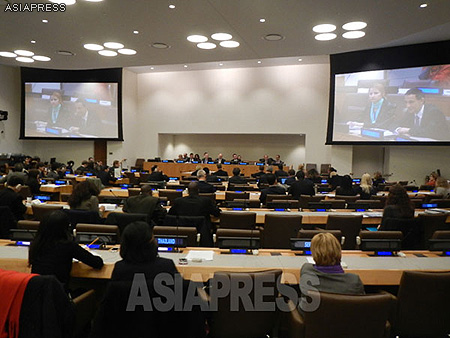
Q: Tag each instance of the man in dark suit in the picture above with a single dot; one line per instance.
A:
(206, 158)
(9, 197)
(219, 159)
(84, 121)
(266, 160)
(291, 178)
(220, 172)
(157, 176)
(259, 173)
(280, 172)
(422, 119)
(145, 203)
(235, 159)
(273, 189)
(301, 187)
(237, 178)
(203, 186)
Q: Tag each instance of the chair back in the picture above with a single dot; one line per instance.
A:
(235, 319)
(350, 227)
(365, 234)
(324, 168)
(139, 162)
(431, 223)
(379, 198)
(198, 222)
(170, 194)
(430, 197)
(348, 199)
(28, 225)
(237, 233)
(122, 219)
(373, 204)
(271, 197)
(336, 204)
(441, 234)
(249, 203)
(238, 220)
(143, 177)
(310, 166)
(99, 229)
(232, 195)
(83, 216)
(64, 196)
(303, 233)
(411, 229)
(279, 229)
(211, 196)
(422, 305)
(347, 316)
(134, 191)
(193, 237)
(441, 203)
(25, 192)
(305, 199)
(7, 221)
(40, 211)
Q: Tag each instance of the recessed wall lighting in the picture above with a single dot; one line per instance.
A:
(229, 44)
(41, 58)
(33, 41)
(300, 60)
(262, 20)
(24, 59)
(221, 36)
(354, 26)
(206, 45)
(197, 38)
(160, 45)
(135, 32)
(353, 35)
(113, 45)
(8, 54)
(152, 68)
(45, 21)
(220, 64)
(22, 52)
(127, 51)
(93, 46)
(325, 37)
(171, 6)
(67, 2)
(185, 66)
(324, 28)
(423, 5)
(259, 61)
(107, 52)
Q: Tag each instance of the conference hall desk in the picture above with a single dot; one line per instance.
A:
(372, 270)
(173, 169)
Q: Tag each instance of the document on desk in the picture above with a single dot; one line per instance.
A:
(197, 255)
(108, 206)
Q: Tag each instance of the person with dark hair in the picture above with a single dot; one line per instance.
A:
(273, 189)
(83, 168)
(197, 158)
(346, 187)
(302, 186)
(83, 121)
(9, 197)
(53, 249)
(157, 176)
(57, 115)
(85, 197)
(105, 175)
(33, 181)
(219, 159)
(220, 171)
(206, 158)
(398, 205)
(145, 203)
(260, 172)
(422, 119)
(53, 173)
(280, 172)
(314, 176)
(277, 161)
(237, 178)
(378, 179)
(69, 166)
(17, 172)
(291, 177)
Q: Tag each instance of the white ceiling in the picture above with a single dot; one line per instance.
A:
(390, 23)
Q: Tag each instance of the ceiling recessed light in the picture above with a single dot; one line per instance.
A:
(353, 35)
(152, 68)
(185, 66)
(299, 60)
(33, 41)
(206, 45)
(325, 37)
(23, 52)
(127, 51)
(273, 37)
(220, 64)
(45, 21)
(65, 53)
(107, 52)
(160, 45)
(423, 5)
(259, 61)
(8, 54)
(171, 6)
(113, 45)
(229, 44)
(92, 46)
(135, 32)
(221, 36)
(262, 20)
(67, 2)
(197, 38)
(354, 26)
(41, 58)
(24, 59)
(324, 28)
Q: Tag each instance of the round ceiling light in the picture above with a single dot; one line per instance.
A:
(206, 45)
(93, 46)
(45, 21)
(354, 26)
(22, 52)
(160, 45)
(229, 44)
(41, 58)
(423, 5)
(262, 20)
(171, 6)
(353, 34)
(24, 59)
(113, 45)
(325, 37)
(324, 28)
(127, 51)
(67, 2)
(8, 54)
(197, 38)
(221, 36)
(107, 52)
(273, 37)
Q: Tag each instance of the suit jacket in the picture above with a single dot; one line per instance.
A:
(9, 198)
(125, 271)
(222, 160)
(205, 187)
(220, 173)
(303, 187)
(194, 206)
(88, 126)
(145, 204)
(204, 160)
(237, 180)
(63, 120)
(384, 119)
(272, 190)
(157, 176)
(432, 125)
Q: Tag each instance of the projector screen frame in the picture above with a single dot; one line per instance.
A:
(419, 55)
(38, 75)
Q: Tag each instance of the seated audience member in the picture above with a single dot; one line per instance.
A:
(237, 178)
(157, 176)
(206, 158)
(277, 161)
(209, 177)
(116, 170)
(280, 172)
(273, 189)
(69, 166)
(219, 159)
(53, 249)
(33, 181)
(365, 189)
(266, 160)
(145, 203)
(378, 179)
(346, 187)
(179, 158)
(190, 159)
(442, 187)
(27, 162)
(197, 158)
(314, 176)
(53, 173)
(17, 171)
(259, 173)
(263, 178)
(301, 187)
(85, 197)
(326, 252)
(398, 205)
(83, 168)
(203, 186)
(291, 177)
(220, 171)
(197, 168)
(334, 180)
(105, 175)
(9, 197)
(431, 180)
(235, 159)
(42, 169)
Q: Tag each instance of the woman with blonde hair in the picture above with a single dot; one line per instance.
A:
(442, 187)
(366, 188)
